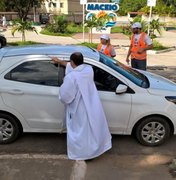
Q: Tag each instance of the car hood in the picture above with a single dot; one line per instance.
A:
(160, 83)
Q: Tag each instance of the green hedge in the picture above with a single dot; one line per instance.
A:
(46, 32)
(21, 43)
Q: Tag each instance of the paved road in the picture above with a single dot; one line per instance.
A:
(43, 157)
(55, 144)
(168, 72)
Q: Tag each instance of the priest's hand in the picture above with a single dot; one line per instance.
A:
(58, 61)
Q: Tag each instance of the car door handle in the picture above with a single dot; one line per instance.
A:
(15, 91)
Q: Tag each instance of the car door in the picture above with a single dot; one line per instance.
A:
(117, 106)
(31, 88)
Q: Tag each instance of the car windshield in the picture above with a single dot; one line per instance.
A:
(131, 74)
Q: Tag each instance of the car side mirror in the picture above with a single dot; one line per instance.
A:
(121, 88)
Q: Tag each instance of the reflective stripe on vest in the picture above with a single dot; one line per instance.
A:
(107, 50)
(141, 44)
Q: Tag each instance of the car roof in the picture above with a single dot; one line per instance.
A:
(49, 50)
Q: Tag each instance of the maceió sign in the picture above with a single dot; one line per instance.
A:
(102, 7)
(104, 14)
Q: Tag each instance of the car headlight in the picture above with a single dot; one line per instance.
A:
(171, 99)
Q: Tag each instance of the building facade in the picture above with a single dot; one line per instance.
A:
(66, 7)
(71, 8)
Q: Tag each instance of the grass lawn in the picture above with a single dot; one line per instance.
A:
(157, 46)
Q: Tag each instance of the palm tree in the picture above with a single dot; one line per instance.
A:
(155, 26)
(91, 23)
(22, 26)
(127, 29)
(102, 19)
(98, 22)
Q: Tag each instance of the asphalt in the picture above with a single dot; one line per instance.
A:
(29, 166)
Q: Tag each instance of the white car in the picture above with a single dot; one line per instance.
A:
(134, 101)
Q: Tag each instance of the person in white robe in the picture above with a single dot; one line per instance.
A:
(88, 135)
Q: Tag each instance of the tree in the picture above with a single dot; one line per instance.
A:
(131, 6)
(22, 26)
(102, 19)
(154, 26)
(127, 29)
(97, 21)
(91, 23)
(163, 7)
(21, 6)
(170, 2)
(60, 24)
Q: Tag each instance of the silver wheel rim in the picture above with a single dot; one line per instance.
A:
(153, 132)
(6, 129)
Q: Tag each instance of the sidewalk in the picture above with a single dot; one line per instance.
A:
(58, 167)
(32, 36)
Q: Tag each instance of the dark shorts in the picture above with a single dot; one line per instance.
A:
(139, 64)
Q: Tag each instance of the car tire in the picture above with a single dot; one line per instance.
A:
(153, 131)
(9, 129)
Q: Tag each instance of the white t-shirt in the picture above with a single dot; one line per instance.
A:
(148, 41)
(113, 53)
(103, 47)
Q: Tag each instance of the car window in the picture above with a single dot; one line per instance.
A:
(131, 74)
(105, 81)
(37, 72)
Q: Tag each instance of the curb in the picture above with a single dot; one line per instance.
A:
(149, 51)
(157, 67)
(161, 51)
(161, 67)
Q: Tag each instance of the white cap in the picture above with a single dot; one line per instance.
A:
(136, 25)
(104, 36)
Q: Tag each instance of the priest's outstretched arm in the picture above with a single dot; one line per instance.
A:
(58, 61)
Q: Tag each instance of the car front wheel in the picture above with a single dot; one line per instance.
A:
(153, 131)
(9, 129)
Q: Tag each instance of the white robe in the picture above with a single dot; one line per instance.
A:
(88, 135)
